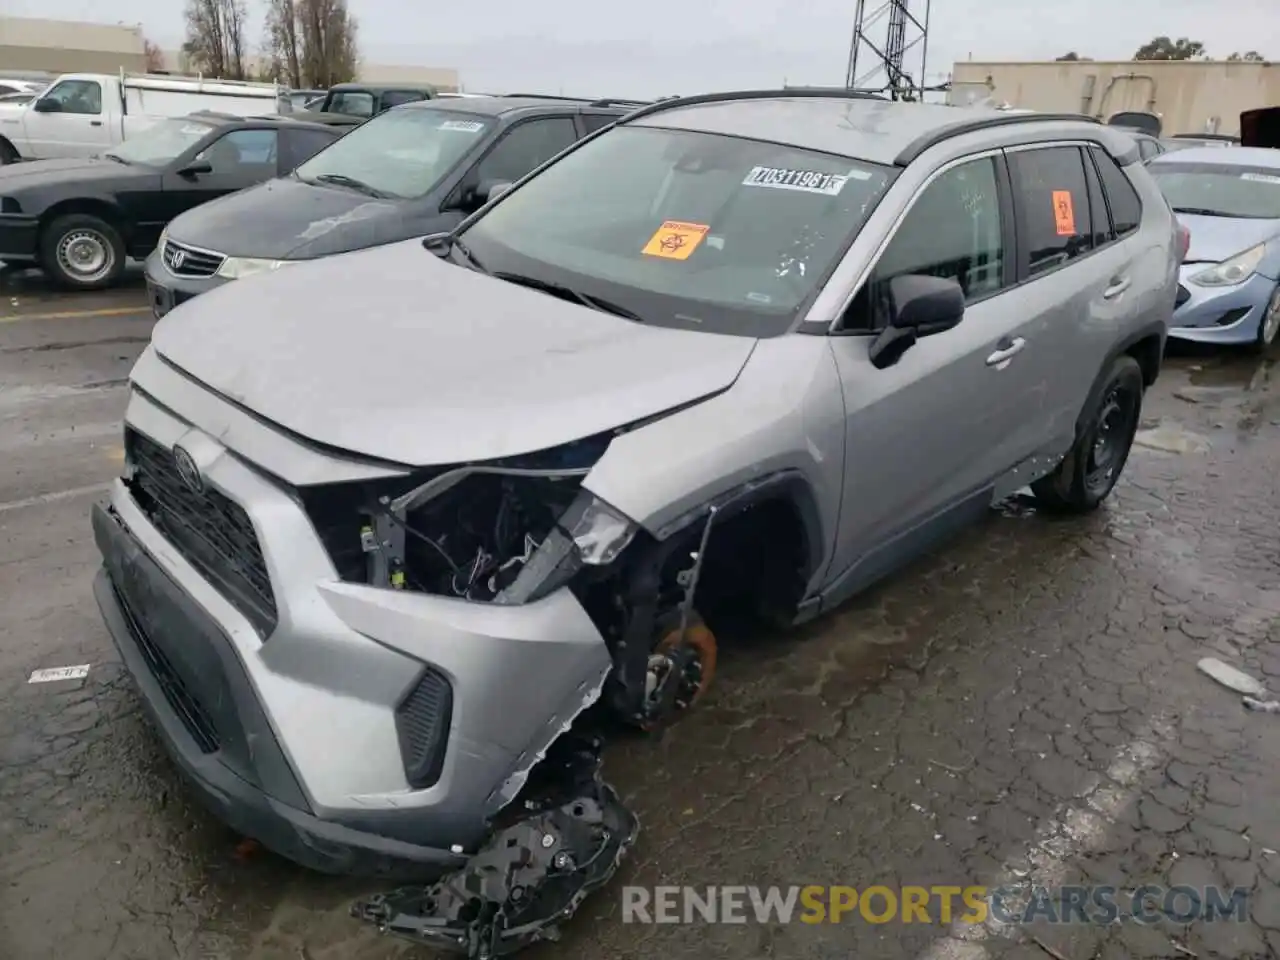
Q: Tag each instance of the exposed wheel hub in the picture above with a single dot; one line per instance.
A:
(680, 671)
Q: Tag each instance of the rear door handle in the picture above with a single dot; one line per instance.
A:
(1007, 350)
(1118, 286)
(95, 123)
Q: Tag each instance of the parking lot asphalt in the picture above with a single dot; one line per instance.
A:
(1023, 706)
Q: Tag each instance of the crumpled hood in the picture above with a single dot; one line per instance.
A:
(292, 220)
(395, 354)
(1214, 239)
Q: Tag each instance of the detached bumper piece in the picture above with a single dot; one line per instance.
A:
(529, 877)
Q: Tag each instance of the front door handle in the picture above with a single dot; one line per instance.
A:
(95, 123)
(1007, 350)
(1118, 286)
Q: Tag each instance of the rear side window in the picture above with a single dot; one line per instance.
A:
(1053, 203)
(1102, 230)
(393, 98)
(1126, 208)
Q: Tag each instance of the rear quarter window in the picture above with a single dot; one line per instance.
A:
(1122, 199)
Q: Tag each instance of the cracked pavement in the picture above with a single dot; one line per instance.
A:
(1022, 706)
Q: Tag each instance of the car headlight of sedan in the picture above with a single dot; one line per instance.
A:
(1233, 270)
(590, 533)
(237, 268)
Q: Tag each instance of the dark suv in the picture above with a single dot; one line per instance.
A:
(417, 169)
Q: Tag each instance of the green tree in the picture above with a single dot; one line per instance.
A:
(1253, 56)
(1163, 48)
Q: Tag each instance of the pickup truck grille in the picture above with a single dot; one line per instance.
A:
(211, 531)
(184, 261)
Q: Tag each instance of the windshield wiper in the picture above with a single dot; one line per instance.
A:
(442, 244)
(1200, 212)
(117, 158)
(574, 296)
(342, 180)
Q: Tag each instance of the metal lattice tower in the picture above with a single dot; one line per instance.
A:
(890, 48)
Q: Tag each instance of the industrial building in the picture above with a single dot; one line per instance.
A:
(1189, 96)
(66, 46)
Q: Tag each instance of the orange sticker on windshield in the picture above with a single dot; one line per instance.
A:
(1064, 217)
(675, 240)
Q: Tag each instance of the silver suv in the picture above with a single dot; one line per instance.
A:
(392, 521)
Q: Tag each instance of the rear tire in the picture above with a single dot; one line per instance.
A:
(82, 252)
(1088, 473)
(1269, 328)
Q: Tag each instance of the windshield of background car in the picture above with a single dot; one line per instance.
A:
(162, 142)
(684, 228)
(402, 153)
(1222, 190)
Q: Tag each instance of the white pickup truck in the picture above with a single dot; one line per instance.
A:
(84, 114)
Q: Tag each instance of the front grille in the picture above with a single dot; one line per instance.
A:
(1183, 296)
(422, 724)
(189, 710)
(211, 531)
(184, 261)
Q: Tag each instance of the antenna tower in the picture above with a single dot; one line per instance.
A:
(889, 49)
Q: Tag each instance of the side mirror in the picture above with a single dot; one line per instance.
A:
(195, 168)
(920, 306)
(47, 105)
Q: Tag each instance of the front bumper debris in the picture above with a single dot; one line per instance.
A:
(530, 876)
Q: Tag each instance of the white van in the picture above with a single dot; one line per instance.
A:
(84, 114)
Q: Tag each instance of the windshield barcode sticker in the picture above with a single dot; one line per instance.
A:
(1261, 177)
(805, 181)
(463, 126)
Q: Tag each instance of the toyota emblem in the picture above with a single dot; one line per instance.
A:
(188, 472)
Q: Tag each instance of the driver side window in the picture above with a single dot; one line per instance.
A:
(953, 230)
(77, 96)
(241, 150)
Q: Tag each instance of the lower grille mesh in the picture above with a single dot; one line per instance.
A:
(422, 723)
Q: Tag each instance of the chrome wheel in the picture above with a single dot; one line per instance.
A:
(85, 255)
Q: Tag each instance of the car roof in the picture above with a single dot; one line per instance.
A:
(1235, 157)
(355, 87)
(497, 106)
(215, 119)
(844, 123)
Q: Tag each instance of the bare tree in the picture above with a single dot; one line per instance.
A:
(282, 46)
(155, 59)
(312, 43)
(215, 37)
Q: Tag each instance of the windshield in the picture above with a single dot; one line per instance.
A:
(684, 228)
(401, 153)
(161, 142)
(1210, 189)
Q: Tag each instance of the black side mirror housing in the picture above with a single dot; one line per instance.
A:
(195, 168)
(47, 105)
(920, 306)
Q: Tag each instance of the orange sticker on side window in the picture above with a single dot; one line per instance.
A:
(1064, 216)
(675, 240)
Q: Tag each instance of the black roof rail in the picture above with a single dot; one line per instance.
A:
(971, 124)
(547, 96)
(618, 102)
(728, 96)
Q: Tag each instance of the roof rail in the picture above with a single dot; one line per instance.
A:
(972, 124)
(697, 99)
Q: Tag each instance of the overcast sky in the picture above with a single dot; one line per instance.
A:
(660, 47)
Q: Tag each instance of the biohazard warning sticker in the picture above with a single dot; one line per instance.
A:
(675, 240)
(805, 181)
(1064, 215)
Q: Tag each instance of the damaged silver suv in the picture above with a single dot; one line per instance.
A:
(391, 522)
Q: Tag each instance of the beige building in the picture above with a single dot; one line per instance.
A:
(65, 46)
(1190, 96)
